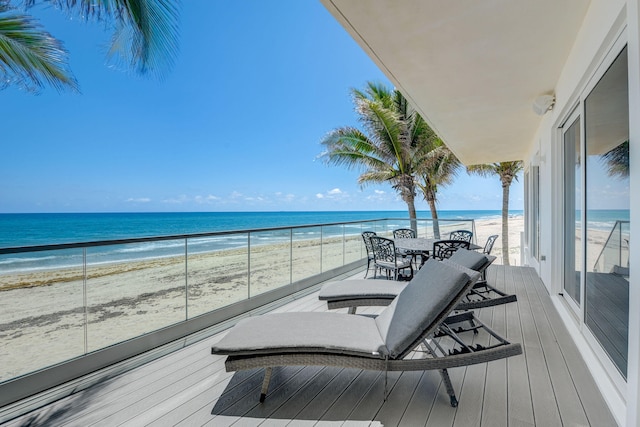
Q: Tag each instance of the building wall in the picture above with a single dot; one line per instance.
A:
(608, 23)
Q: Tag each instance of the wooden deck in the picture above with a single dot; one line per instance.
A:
(549, 385)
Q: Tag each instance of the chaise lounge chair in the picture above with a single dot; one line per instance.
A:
(418, 317)
(355, 293)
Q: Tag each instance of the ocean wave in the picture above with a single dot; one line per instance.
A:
(14, 260)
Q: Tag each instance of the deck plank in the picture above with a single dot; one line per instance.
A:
(519, 404)
(548, 385)
(594, 406)
(545, 408)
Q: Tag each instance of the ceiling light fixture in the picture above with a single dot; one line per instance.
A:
(543, 103)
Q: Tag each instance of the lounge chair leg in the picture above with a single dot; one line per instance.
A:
(447, 383)
(265, 383)
(352, 310)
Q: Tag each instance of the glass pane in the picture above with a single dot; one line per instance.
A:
(572, 201)
(42, 315)
(353, 245)
(607, 216)
(218, 272)
(270, 260)
(133, 289)
(332, 247)
(307, 253)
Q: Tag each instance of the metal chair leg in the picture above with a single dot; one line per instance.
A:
(447, 383)
(265, 383)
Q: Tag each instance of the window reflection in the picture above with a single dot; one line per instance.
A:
(607, 215)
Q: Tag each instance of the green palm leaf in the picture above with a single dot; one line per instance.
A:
(29, 56)
(145, 31)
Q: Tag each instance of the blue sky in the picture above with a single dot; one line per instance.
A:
(235, 126)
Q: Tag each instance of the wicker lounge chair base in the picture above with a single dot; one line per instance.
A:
(461, 355)
(418, 320)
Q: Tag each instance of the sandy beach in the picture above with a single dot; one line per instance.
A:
(42, 314)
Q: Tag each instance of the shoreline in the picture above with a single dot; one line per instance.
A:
(125, 300)
(49, 276)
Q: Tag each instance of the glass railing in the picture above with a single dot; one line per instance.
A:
(61, 303)
(614, 257)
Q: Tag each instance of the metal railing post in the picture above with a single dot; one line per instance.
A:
(84, 300)
(248, 265)
(186, 279)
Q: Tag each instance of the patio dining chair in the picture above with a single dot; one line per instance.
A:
(464, 235)
(443, 249)
(366, 237)
(489, 245)
(387, 258)
(406, 233)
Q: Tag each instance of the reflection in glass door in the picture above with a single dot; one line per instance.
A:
(572, 218)
(606, 122)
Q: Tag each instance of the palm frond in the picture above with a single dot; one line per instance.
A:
(29, 56)
(145, 31)
(617, 161)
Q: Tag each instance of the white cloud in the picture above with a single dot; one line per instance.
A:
(177, 200)
(379, 192)
(205, 199)
(138, 200)
(320, 196)
(334, 191)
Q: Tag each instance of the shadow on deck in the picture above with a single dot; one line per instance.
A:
(549, 385)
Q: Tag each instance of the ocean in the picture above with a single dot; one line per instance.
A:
(54, 228)
(18, 230)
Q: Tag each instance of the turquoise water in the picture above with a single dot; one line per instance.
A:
(47, 229)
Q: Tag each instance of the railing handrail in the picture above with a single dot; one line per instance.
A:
(618, 223)
(76, 245)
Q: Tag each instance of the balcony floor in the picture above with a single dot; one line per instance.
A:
(549, 385)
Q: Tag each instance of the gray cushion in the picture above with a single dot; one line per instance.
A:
(469, 259)
(361, 288)
(323, 332)
(414, 311)
(473, 274)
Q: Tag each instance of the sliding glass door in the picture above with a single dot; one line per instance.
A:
(573, 258)
(606, 117)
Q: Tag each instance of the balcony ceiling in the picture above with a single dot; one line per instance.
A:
(471, 68)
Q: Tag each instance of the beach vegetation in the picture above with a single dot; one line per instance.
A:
(394, 142)
(507, 172)
(144, 38)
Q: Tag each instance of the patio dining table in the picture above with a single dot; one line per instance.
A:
(422, 246)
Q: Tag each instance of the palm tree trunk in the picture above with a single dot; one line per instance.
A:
(412, 214)
(505, 224)
(434, 216)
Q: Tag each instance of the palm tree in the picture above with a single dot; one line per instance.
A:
(386, 152)
(507, 171)
(438, 166)
(144, 36)
(617, 161)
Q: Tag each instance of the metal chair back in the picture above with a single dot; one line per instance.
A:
(404, 233)
(443, 249)
(384, 249)
(489, 245)
(366, 237)
(464, 235)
